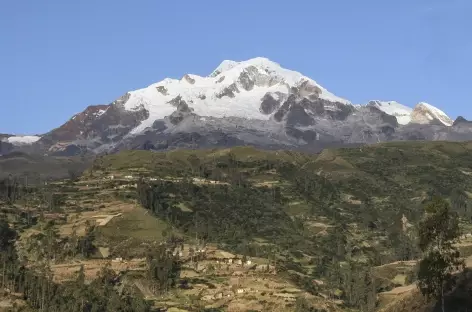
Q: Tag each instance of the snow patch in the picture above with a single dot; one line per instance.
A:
(100, 112)
(224, 66)
(23, 140)
(400, 111)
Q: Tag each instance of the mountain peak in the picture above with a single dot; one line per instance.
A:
(226, 65)
(259, 65)
(256, 61)
(425, 113)
(393, 108)
(233, 89)
(461, 120)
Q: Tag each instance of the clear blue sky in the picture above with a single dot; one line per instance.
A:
(58, 56)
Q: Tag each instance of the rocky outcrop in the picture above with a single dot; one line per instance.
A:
(229, 91)
(78, 126)
(461, 121)
(162, 90)
(271, 102)
(183, 110)
(308, 89)
(189, 79)
(96, 126)
(299, 109)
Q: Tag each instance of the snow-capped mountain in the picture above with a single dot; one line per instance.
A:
(425, 113)
(422, 113)
(233, 89)
(255, 102)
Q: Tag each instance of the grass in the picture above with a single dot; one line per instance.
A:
(137, 224)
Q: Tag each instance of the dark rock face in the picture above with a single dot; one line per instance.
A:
(246, 81)
(182, 112)
(283, 110)
(388, 119)
(229, 91)
(388, 131)
(414, 135)
(308, 136)
(297, 116)
(95, 126)
(159, 125)
(269, 104)
(317, 108)
(461, 120)
(189, 79)
(117, 122)
(77, 127)
(5, 147)
(162, 89)
(176, 101)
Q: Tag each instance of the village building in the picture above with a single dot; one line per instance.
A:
(220, 256)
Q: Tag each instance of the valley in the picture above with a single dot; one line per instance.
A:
(245, 229)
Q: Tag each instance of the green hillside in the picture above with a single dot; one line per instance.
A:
(339, 227)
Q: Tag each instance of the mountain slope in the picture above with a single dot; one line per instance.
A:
(400, 111)
(425, 113)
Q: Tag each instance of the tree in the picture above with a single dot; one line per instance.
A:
(85, 244)
(7, 235)
(303, 305)
(459, 202)
(194, 162)
(74, 175)
(163, 268)
(438, 231)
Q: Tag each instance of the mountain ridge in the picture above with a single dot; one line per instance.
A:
(255, 102)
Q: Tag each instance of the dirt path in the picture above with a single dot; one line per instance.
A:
(399, 290)
(107, 219)
(407, 263)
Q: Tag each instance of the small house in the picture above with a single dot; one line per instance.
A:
(221, 257)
